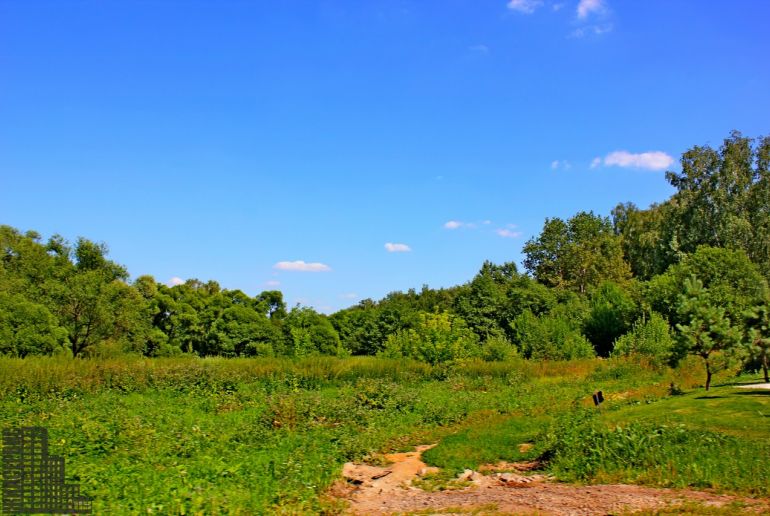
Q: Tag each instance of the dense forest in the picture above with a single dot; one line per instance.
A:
(687, 276)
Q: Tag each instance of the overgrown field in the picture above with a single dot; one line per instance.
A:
(243, 436)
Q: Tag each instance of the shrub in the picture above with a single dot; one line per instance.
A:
(550, 337)
(497, 349)
(437, 338)
(650, 338)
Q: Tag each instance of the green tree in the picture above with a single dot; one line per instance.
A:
(706, 330)
(611, 315)
(650, 337)
(731, 280)
(311, 333)
(28, 328)
(758, 336)
(437, 338)
(554, 335)
(723, 198)
(577, 254)
(482, 303)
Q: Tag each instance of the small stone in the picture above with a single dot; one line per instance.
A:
(465, 475)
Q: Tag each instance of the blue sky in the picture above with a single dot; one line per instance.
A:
(287, 144)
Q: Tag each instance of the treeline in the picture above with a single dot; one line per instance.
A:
(687, 276)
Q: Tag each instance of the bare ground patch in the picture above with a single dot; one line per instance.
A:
(390, 490)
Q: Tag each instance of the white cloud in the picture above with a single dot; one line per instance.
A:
(525, 6)
(486, 222)
(598, 30)
(653, 160)
(596, 162)
(349, 295)
(479, 49)
(507, 233)
(302, 266)
(557, 7)
(175, 281)
(556, 164)
(586, 7)
(272, 283)
(397, 248)
(456, 224)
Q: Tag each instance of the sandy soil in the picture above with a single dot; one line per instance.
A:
(755, 386)
(388, 490)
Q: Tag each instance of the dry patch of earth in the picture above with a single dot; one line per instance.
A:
(755, 386)
(505, 488)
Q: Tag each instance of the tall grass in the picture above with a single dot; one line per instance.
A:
(578, 447)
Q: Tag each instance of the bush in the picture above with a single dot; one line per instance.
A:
(550, 337)
(497, 349)
(437, 338)
(650, 338)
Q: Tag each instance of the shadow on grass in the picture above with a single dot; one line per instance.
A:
(709, 397)
(748, 392)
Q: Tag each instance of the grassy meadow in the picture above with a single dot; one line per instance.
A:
(245, 436)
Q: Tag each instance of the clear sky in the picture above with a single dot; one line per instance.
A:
(378, 145)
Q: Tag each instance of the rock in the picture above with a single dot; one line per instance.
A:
(477, 477)
(465, 475)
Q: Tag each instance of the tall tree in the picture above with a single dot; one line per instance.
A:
(723, 198)
(577, 254)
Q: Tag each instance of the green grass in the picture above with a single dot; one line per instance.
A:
(726, 409)
(486, 440)
(216, 436)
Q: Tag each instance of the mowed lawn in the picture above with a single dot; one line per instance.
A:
(726, 409)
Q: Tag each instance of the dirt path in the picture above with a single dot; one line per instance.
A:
(388, 490)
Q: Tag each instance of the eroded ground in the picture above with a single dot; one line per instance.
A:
(507, 488)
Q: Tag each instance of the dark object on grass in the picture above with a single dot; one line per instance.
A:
(598, 398)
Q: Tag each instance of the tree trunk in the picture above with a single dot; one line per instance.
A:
(708, 375)
(764, 367)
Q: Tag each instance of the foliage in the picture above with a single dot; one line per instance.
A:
(497, 349)
(611, 315)
(579, 448)
(707, 331)
(550, 337)
(722, 197)
(758, 336)
(731, 280)
(438, 338)
(28, 328)
(650, 337)
(577, 254)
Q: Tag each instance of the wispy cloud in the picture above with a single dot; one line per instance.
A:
(653, 160)
(175, 281)
(479, 49)
(397, 248)
(557, 164)
(507, 233)
(457, 224)
(349, 295)
(272, 283)
(598, 30)
(525, 6)
(586, 7)
(302, 266)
